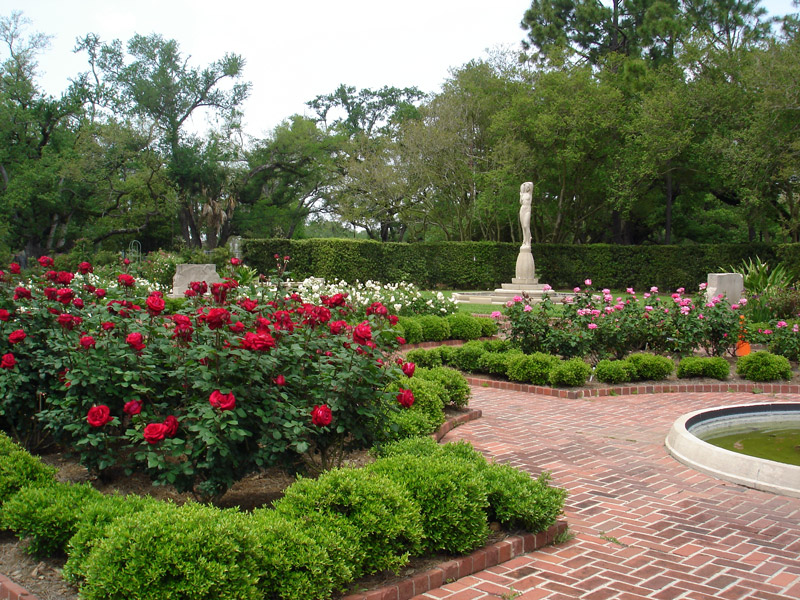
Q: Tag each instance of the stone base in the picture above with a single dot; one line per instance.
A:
(501, 295)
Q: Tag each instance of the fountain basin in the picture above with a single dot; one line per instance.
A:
(685, 444)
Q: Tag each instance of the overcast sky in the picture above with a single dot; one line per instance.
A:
(296, 50)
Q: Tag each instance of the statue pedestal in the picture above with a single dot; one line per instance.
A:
(526, 269)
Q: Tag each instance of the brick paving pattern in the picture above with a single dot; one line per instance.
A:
(646, 526)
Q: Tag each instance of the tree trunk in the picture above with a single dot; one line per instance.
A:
(189, 228)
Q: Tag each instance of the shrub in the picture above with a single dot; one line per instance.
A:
(48, 516)
(447, 354)
(615, 371)
(96, 516)
(464, 327)
(423, 446)
(434, 329)
(518, 500)
(412, 330)
(763, 366)
(496, 345)
(429, 398)
(18, 468)
(570, 372)
(408, 424)
(301, 559)
(425, 358)
(488, 326)
(496, 363)
(697, 366)
(450, 494)
(651, 366)
(170, 553)
(383, 513)
(532, 368)
(467, 357)
(455, 385)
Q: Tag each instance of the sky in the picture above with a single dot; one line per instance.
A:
(294, 50)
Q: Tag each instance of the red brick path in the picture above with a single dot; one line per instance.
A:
(646, 526)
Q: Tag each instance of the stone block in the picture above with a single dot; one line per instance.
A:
(730, 285)
(186, 274)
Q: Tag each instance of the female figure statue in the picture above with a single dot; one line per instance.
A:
(525, 199)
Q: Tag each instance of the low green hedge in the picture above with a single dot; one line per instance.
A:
(455, 385)
(764, 366)
(715, 367)
(18, 469)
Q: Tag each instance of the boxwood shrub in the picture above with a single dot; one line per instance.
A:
(764, 366)
(456, 388)
(570, 373)
(447, 353)
(434, 329)
(496, 363)
(488, 326)
(19, 469)
(463, 327)
(467, 357)
(704, 366)
(651, 366)
(429, 397)
(496, 345)
(532, 368)
(407, 424)
(410, 329)
(425, 358)
(615, 371)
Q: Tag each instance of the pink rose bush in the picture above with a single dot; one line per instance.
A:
(199, 396)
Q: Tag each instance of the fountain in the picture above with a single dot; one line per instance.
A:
(686, 442)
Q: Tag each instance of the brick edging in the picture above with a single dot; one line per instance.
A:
(665, 388)
(12, 591)
(450, 424)
(488, 556)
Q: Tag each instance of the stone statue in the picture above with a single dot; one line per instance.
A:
(525, 199)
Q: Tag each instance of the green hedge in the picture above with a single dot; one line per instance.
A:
(486, 265)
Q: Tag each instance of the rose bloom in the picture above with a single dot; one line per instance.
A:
(45, 261)
(222, 401)
(199, 287)
(4, 315)
(99, 415)
(280, 380)
(126, 280)
(258, 342)
(155, 304)
(21, 293)
(220, 292)
(64, 277)
(100, 293)
(236, 261)
(15, 337)
(132, 407)
(67, 321)
(65, 295)
(405, 398)
(248, 305)
(335, 300)
(378, 309)
(171, 424)
(592, 326)
(14, 268)
(77, 302)
(107, 325)
(237, 327)
(321, 416)
(8, 361)
(126, 261)
(408, 369)
(362, 333)
(217, 318)
(134, 340)
(190, 293)
(155, 432)
(85, 267)
(496, 314)
(338, 327)
(587, 282)
(87, 342)
(401, 340)
(528, 308)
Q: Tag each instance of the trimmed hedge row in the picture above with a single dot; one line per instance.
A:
(324, 533)
(458, 326)
(486, 265)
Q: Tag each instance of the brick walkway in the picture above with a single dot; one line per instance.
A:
(646, 526)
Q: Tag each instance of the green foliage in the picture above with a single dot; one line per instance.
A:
(519, 501)
(651, 366)
(450, 494)
(429, 398)
(383, 512)
(532, 368)
(763, 366)
(421, 446)
(488, 327)
(412, 330)
(501, 345)
(434, 329)
(615, 371)
(170, 552)
(425, 358)
(464, 327)
(447, 354)
(48, 516)
(456, 388)
(467, 357)
(19, 469)
(408, 424)
(704, 366)
(572, 372)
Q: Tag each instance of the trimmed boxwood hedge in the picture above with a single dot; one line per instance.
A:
(486, 265)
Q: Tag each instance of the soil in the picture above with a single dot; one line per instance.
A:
(43, 577)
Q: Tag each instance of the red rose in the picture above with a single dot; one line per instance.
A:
(405, 398)
(190, 293)
(134, 340)
(4, 315)
(65, 295)
(199, 287)
(337, 327)
(220, 292)
(64, 277)
(236, 261)
(171, 423)
(248, 305)
(87, 342)
(132, 407)
(222, 401)
(362, 333)
(15, 337)
(77, 302)
(321, 416)
(155, 432)
(50, 293)
(8, 361)
(316, 314)
(22, 293)
(401, 340)
(126, 280)
(107, 325)
(237, 327)
(408, 369)
(45, 261)
(283, 320)
(100, 293)
(14, 268)
(393, 319)
(99, 415)
(280, 380)
(259, 342)
(217, 318)
(155, 305)
(376, 308)
(85, 267)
